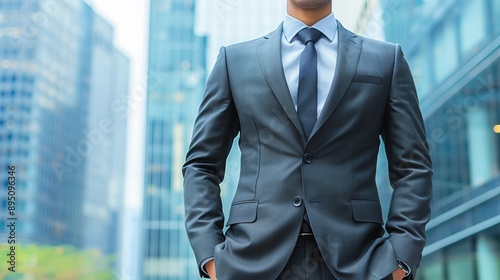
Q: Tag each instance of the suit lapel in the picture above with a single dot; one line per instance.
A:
(270, 61)
(349, 49)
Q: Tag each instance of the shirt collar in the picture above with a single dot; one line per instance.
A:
(327, 26)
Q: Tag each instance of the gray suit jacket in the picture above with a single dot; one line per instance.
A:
(331, 174)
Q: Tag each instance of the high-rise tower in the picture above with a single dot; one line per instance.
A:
(61, 123)
(176, 77)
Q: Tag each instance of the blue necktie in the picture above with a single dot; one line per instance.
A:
(307, 94)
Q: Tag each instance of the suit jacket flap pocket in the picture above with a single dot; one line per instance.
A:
(367, 211)
(243, 212)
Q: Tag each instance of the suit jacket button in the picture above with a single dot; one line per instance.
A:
(297, 201)
(307, 158)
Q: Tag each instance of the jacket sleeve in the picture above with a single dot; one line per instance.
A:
(410, 168)
(213, 135)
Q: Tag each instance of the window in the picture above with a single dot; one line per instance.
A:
(460, 260)
(445, 50)
(472, 26)
(419, 63)
(496, 15)
(432, 267)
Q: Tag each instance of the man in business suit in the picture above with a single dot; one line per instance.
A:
(306, 205)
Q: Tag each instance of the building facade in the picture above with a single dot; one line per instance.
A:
(60, 123)
(106, 132)
(453, 48)
(176, 77)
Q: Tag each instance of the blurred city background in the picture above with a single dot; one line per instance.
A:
(98, 100)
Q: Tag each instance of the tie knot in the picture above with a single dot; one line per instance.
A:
(309, 34)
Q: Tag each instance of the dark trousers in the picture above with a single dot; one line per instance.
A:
(307, 263)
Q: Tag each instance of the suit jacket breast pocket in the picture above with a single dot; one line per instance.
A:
(371, 79)
(243, 212)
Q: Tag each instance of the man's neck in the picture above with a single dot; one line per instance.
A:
(309, 16)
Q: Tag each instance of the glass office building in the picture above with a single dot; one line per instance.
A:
(106, 132)
(60, 124)
(453, 47)
(106, 125)
(176, 78)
